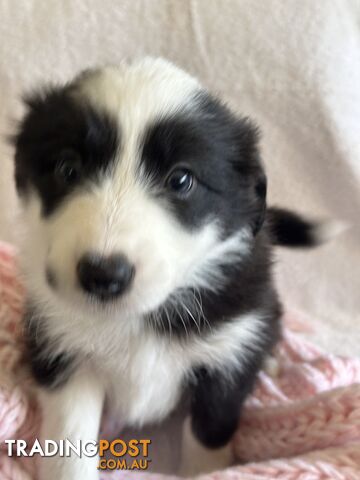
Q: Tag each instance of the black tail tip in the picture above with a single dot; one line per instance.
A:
(292, 230)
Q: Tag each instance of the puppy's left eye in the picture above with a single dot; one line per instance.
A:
(180, 181)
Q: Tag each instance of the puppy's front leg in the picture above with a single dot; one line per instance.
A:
(71, 411)
(216, 401)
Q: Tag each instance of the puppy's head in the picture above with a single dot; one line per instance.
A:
(136, 184)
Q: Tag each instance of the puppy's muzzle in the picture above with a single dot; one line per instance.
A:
(105, 277)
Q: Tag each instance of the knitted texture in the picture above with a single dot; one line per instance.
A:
(301, 423)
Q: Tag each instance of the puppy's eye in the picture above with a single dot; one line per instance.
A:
(180, 181)
(68, 167)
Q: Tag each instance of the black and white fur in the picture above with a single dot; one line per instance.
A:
(95, 162)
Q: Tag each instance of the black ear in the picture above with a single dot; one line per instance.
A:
(251, 170)
(260, 193)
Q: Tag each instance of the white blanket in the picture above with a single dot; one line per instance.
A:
(292, 66)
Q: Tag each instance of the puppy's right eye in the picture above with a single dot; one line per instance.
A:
(68, 167)
(180, 181)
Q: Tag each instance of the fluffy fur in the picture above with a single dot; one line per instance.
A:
(101, 165)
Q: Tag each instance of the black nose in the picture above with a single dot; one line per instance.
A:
(104, 277)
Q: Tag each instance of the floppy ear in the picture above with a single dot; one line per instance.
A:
(260, 193)
(250, 167)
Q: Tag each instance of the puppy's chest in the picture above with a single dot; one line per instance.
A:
(145, 379)
(145, 374)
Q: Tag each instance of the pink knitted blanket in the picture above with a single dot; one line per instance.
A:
(303, 423)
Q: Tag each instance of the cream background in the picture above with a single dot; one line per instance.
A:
(292, 66)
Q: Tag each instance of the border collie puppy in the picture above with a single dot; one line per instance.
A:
(147, 254)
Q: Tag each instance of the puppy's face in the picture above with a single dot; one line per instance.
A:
(136, 185)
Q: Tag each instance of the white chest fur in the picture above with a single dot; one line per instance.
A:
(145, 374)
(145, 379)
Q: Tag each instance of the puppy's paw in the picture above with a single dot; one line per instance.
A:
(197, 459)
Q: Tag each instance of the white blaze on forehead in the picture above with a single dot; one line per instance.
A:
(137, 93)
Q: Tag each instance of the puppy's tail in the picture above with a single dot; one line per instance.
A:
(289, 229)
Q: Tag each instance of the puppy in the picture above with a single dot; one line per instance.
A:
(147, 254)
